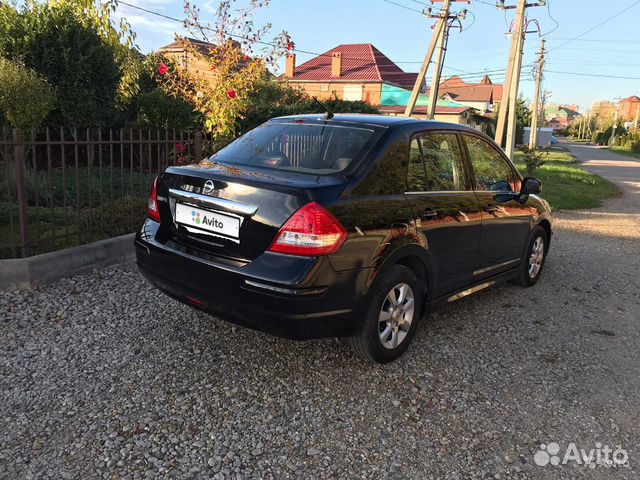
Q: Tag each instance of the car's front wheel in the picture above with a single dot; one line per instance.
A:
(534, 258)
(392, 316)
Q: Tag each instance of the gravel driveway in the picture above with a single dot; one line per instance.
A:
(101, 376)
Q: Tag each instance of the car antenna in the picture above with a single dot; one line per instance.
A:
(328, 114)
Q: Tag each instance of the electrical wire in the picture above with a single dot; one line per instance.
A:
(403, 6)
(583, 74)
(308, 52)
(552, 19)
(465, 75)
(608, 19)
(473, 20)
(598, 40)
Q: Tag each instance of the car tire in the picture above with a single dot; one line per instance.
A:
(534, 257)
(387, 328)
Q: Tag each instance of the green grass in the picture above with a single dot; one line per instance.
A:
(568, 188)
(554, 154)
(565, 185)
(90, 211)
(48, 232)
(626, 152)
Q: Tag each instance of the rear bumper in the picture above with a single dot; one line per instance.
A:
(292, 297)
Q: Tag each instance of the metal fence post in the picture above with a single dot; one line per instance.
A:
(197, 147)
(21, 190)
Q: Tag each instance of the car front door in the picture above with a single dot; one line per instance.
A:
(446, 209)
(505, 224)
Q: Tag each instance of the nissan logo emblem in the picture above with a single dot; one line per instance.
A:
(208, 187)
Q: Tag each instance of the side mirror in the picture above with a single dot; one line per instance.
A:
(531, 186)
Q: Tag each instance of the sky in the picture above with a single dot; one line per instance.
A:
(400, 31)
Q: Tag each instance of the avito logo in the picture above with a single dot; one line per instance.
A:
(212, 222)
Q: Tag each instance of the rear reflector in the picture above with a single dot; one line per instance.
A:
(194, 301)
(153, 212)
(311, 231)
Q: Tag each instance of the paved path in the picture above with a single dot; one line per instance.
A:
(619, 217)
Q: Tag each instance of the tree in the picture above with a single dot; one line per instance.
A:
(62, 41)
(231, 55)
(25, 97)
(523, 119)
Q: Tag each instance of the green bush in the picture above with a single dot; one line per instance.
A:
(533, 158)
(157, 109)
(53, 40)
(25, 98)
(635, 147)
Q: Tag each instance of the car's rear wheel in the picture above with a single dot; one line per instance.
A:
(535, 255)
(392, 316)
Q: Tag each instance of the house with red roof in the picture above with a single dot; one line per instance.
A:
(188, 53)
(362, 72)
(348, 71)
(483, 96)
(628, 108)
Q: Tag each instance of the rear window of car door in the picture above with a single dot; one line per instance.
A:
(492, 171)
(435, 163)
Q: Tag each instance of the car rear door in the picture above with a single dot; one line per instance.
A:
(445, 207)
(505, 225)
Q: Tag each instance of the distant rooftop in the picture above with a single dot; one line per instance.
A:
(361, 62)
(460, 91)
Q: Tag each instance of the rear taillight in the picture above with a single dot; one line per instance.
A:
(311, 231)
(153, 212)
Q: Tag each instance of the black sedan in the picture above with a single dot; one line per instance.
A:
(310, 226)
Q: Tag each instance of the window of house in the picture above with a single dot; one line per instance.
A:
(353, 92)
(492, 171)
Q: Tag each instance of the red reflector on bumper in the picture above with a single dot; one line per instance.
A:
(194, 300)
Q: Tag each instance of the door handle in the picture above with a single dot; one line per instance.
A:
(428, 213)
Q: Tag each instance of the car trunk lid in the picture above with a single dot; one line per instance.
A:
(232, 212)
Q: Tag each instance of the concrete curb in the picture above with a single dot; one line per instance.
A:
(28, 273)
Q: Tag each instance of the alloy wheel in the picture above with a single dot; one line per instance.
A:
(396, 315)
(536, 257)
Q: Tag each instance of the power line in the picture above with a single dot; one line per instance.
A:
(403, 6)
(582, 74)
(273, 44)
(597, 26)
(466, 74)
(552, 19)
(597, 40)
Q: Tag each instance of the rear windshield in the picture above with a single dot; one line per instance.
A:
(316, 148)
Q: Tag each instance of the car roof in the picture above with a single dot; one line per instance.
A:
(380, 120)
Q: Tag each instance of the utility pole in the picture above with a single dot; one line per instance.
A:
(516, 35)
(581, 127)
(435, 78)
(543, 102)
(635, 123)
(613, 131)
(443, 40)
(612, 141)
(510, 88)
(533, 134)
(439, 40)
